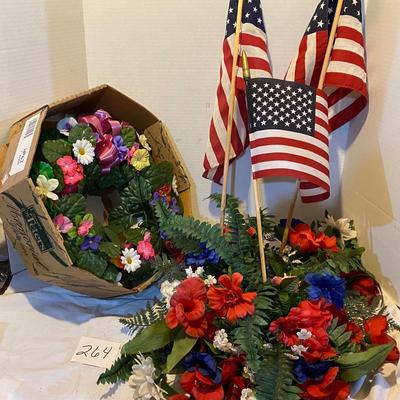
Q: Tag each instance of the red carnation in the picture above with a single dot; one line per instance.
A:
(357, 335)
(188, 307)
(312, 317)
(376, 328)
(200, 386)
(230, 301)
(232, 378)
(363, 284)
(303, 238)
(329, 388)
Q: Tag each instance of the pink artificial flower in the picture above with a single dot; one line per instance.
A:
(62, 223)
(132, 151)
(145, 248)
(67, 164)
(73, 172)
(84, 227)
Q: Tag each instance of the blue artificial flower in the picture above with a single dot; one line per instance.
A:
(295, 222)
(171, 205)
(66, 124)
(118, 142)
(91, 242)
(304, 371)
(328, 286)
(206, 256)
(204, 363)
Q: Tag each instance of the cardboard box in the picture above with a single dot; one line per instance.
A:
(25, 218)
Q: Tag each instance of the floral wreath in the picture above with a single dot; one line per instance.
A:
(95, 155)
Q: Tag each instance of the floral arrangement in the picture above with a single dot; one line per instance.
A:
(96, 155)
(218, 332)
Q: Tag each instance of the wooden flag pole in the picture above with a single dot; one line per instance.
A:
(256, 189)
(232, 98)
(324, 70)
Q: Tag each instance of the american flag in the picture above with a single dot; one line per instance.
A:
(346, 78)
(289, 132)
(253, 41)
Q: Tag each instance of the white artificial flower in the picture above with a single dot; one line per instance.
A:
(83, 151)
(248, 373)
(247, 394)
(175, 185)
(66, 124)
(222, 343)
(142, 380)
(304, 334)
(343, 225)
(167, 289)
(144, 143)
(298, 349)
(210, 280)
(45, 187)
(291, 356)
(198, 272)
(130, 259)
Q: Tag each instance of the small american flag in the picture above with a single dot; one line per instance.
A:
(289, 132)
(253, 41)
(346, 78)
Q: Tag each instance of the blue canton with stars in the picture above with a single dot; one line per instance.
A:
(278, 104)
(252, 13)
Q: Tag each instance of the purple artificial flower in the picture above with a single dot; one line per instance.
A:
(92, 242)
(118, 142)
(66, 124)
(173, 206)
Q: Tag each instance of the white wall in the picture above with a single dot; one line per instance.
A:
(166, 53)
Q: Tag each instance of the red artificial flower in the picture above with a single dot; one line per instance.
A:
(188, 308)
(357, 335)
(363, 284)
(165, 190)
(311, 316)
(179, 397)
(329, 388)
(376, 328)
(303, 238)
(211, 328)
(232, 379)
(230, 301)
(200, 386)
(175, 253)
(251, 231)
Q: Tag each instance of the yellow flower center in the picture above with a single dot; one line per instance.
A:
(82, 151)
(129, 260)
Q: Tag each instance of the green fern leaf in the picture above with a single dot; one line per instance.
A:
(118, 372)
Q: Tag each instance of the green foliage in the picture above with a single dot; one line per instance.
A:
(274, 380)
(92, 262)
(125, 216)
(72, 205)
(120, 371)
(155, 337)
(154, 311)
(182, 345)
(340, 338)
(355, 365)
(134, 236)
(137, 192)
(159, 174)
(111, 273)
(250, 333)
(111, 249)
(54, 149)
(81, 131)
(128, 134)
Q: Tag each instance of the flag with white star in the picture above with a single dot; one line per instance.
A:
(289, 133)
(346, 78)
(253, 41)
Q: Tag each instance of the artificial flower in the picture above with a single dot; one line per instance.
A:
(328, 286)
(232, 377)
(329, 388)
(196, 273)
(222, 343)
(376, 328)
(73, 172)
(118, 142)
(304, 334)
(142, 380)
(175, 253)
(314, 318)
(140, 159)
(206, 256)
(143, 141)
(343, 226)
(204, 363)
(298, 349)
(66, 124)
(91, 242)
(132, 151)
(363, 284)
(62, 223)
(179, 397)
(304, 371)
(229, 300)
(277, 280)
(145, 248)
(251, 231)
(165, 190)
(169, 202)
(174, 185)
(307, 241)
(247, 394)
(130, 259)
(167, 290)
(83, 151)
(201, 387)
(210, 280)
(357, 335)
(188, 308)
(45, 187)
(85, 226)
